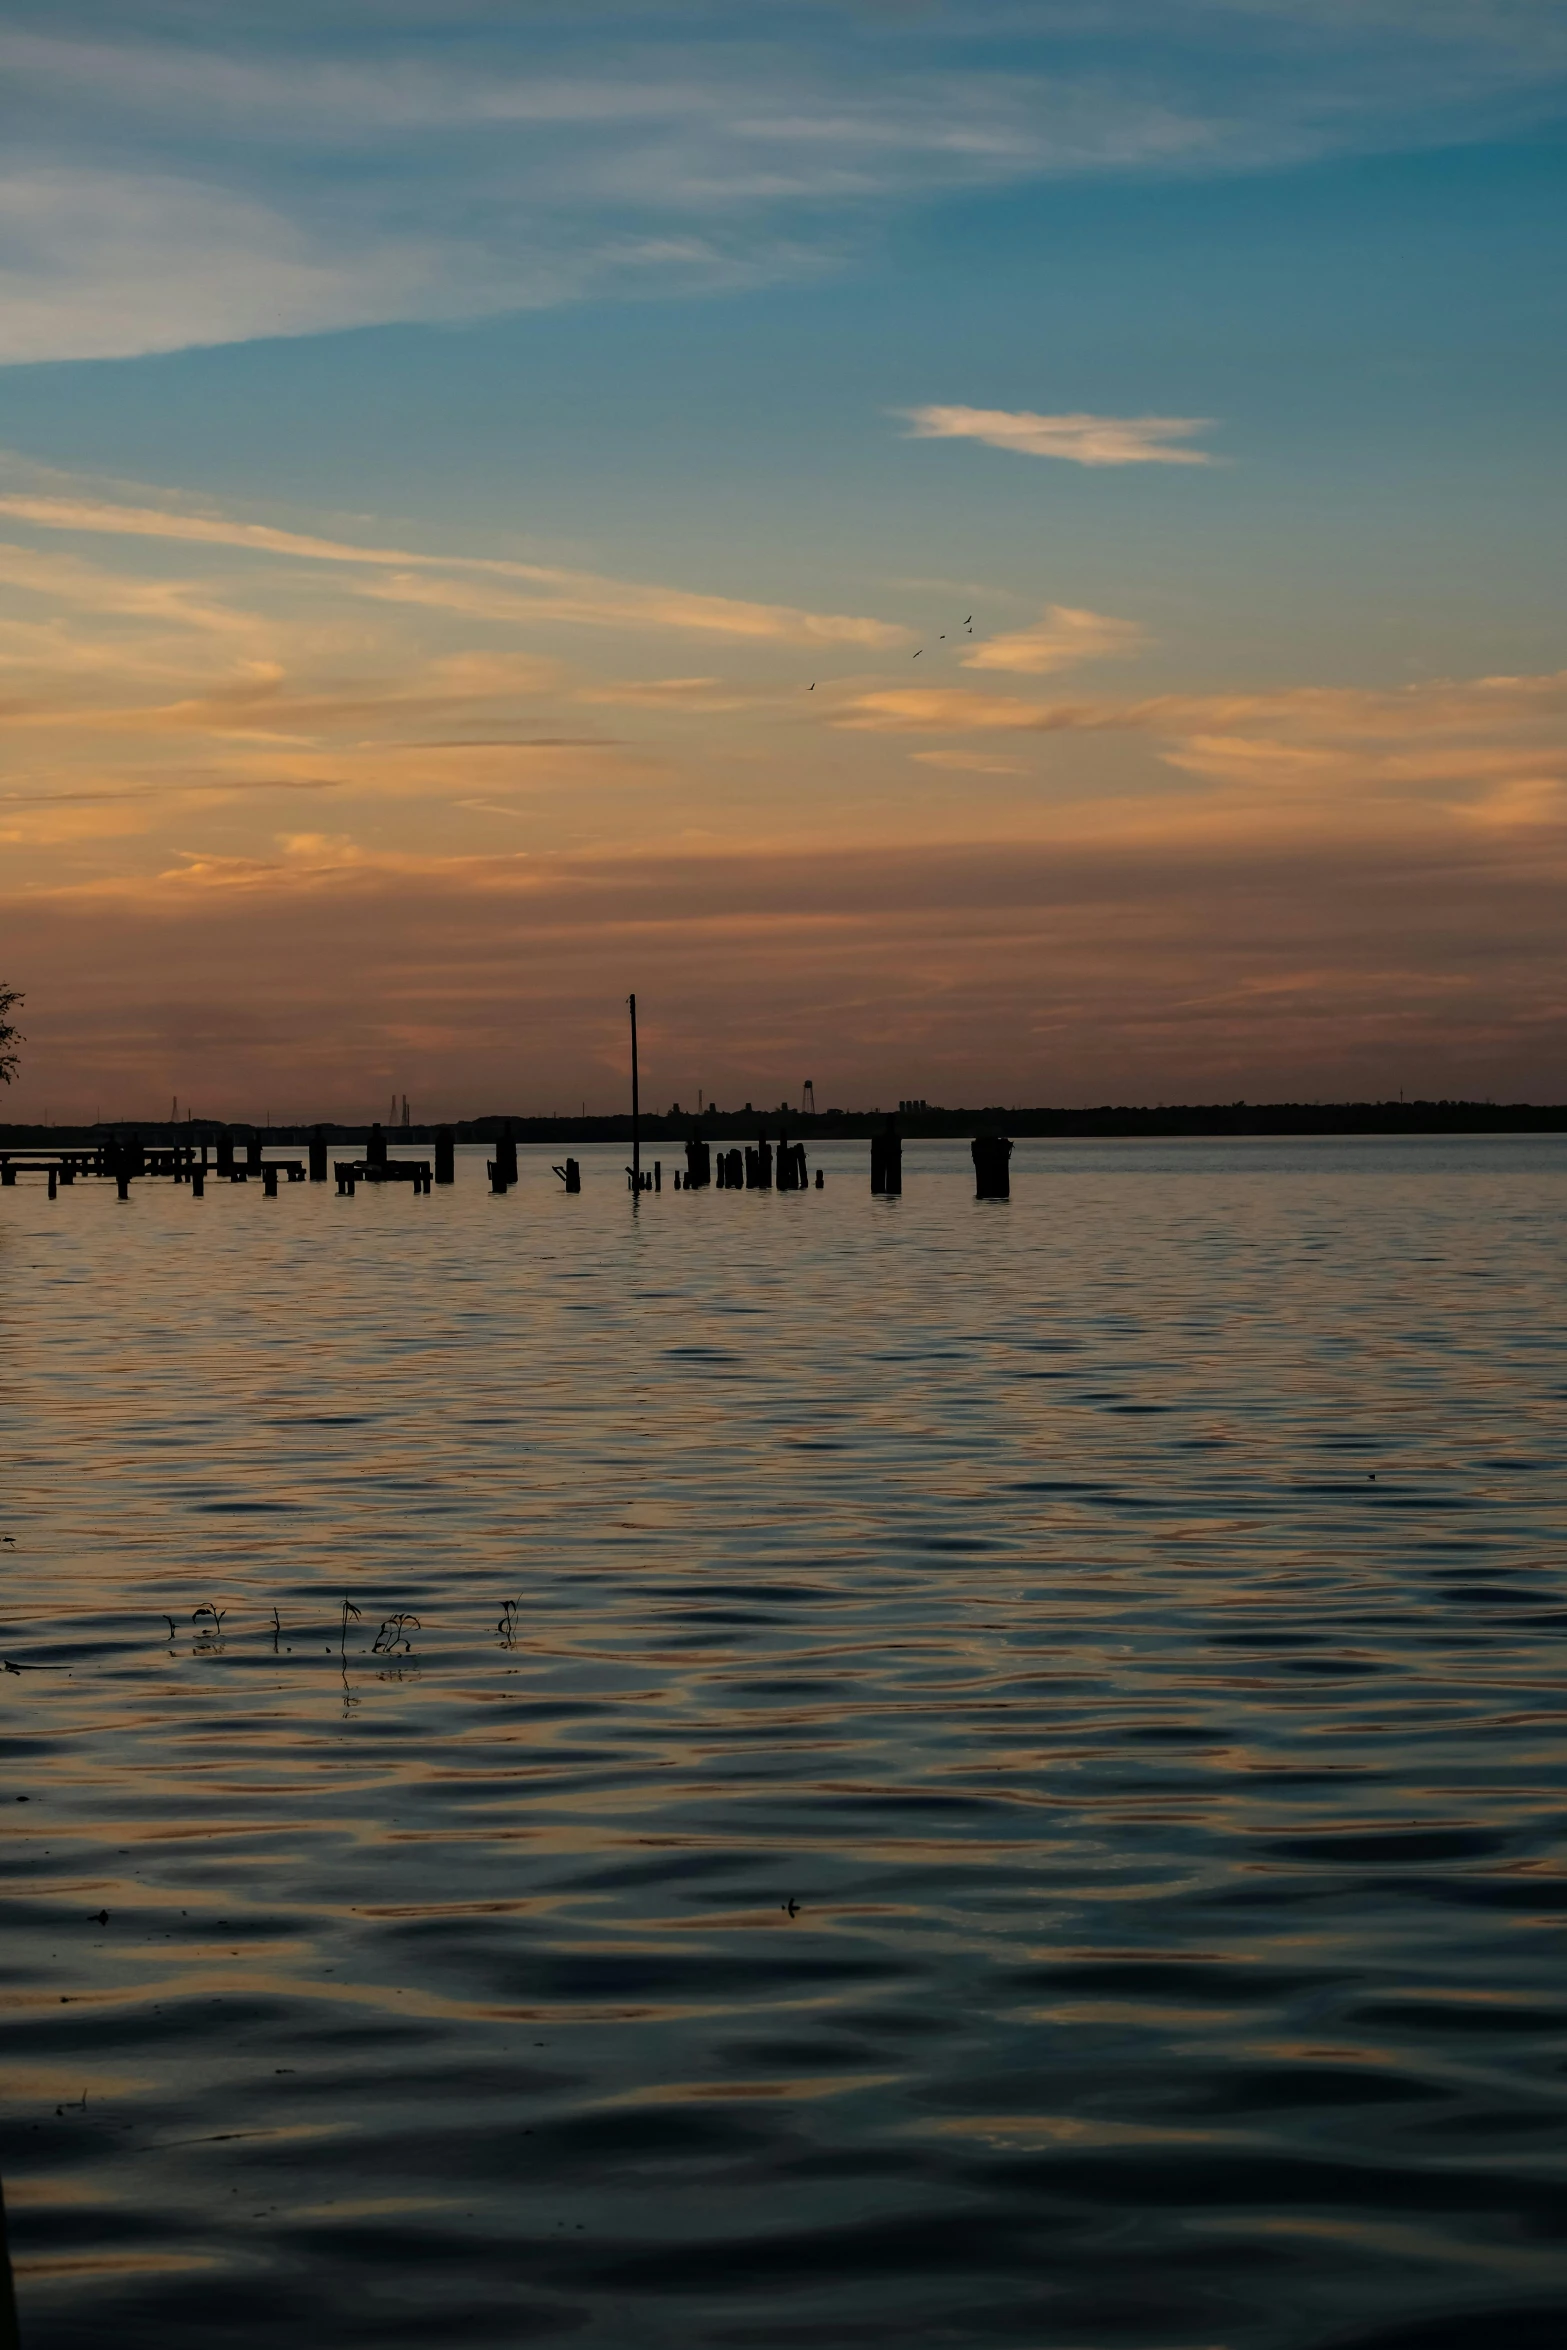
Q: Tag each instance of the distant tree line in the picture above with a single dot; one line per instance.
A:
(10, 1034)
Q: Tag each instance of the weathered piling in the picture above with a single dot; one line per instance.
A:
(658, 1174)
(347, 1173)
(570, 1174)
(269, 1181)
(887, 1160)
(198, 1183)
(699, 1164)
(992, 1175)
(506, 1154)
(10, 2339)
(318, 1157)
(53, 1178)
(225, 1156)
(253, 1155)
(445, 1155)
(375, 1147)
(123, 1182)
(7, 1177)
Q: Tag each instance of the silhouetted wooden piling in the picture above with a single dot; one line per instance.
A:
(269, 1181)
(445, 1155)
(198, 1183)
(375, 1148)
(570, 1174)
(225, 1156)
(123, 1181)
(318, 1157)
(699, 1164)
(887, 1160)
(992, 1156)
(792, 1175)
(52, 1181)
(10, 2339)
(253, 1155)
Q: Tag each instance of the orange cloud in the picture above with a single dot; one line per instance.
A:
(1069, 969)
(582, 597)
(1079, 439)
(1063, 636)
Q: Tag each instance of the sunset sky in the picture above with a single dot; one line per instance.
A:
(1004, 552)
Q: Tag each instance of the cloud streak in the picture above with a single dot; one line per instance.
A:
(582, 598)
(1063, 636)
(1077, 969)
(1078, 439)
(315, 170)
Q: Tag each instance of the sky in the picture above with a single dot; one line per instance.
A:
(1007, 552)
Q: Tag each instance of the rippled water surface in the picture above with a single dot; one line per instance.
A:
(1019, 1800)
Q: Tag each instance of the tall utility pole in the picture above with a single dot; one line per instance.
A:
(636, 1107)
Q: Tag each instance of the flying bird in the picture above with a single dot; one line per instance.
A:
(917, 655)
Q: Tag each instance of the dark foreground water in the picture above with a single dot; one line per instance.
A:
(1018, 1799)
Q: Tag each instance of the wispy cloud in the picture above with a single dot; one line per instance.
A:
(1490, 749)
(1077, 967)
(702, 696)
(583, 598)
(1063, 636)
(968, 763)
(317, 169)
(1077, 439)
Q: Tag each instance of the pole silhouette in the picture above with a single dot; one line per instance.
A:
(636, 1106)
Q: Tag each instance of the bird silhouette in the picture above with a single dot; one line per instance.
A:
(917, 655)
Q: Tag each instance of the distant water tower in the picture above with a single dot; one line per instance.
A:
(808, 1098)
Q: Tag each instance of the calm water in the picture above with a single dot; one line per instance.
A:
(1129, 1623)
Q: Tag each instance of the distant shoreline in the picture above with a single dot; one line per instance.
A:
(1107, 1123)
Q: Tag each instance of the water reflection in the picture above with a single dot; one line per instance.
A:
(782, 1768)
